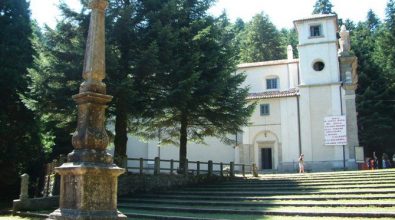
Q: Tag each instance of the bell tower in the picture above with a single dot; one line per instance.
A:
(318, 49)
(320, 88)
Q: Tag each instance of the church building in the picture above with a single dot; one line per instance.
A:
(303, 106)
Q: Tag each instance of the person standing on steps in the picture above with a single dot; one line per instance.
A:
(301, 163)
(385, 161)
(371, 164)
(376, 160)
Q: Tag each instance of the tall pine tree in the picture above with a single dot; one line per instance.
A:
(56, 76)
(384, 55)
(323, 7)
(290, 37)
(19, 140)
(261, 41)
(374, 105)
(197, 91)
(126, 79)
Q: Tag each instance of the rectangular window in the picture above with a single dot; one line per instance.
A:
(265, 110)
(315, 31)
(271, 83)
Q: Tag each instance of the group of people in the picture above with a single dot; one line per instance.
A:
(373, 163)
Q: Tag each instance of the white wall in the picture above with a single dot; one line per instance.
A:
(327, 53)
(329, 28)
(213, 150)
(289, 129)
(256, 76)
(319, 102)
(313, 49)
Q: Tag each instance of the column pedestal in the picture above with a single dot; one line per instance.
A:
(88, 191)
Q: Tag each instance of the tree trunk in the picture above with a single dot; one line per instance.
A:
(121, 138)
(183, 144)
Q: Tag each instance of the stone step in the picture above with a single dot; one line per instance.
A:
(233, 210)
(337, 173)
(310, 179)
(367, 194)
(287, 182)
(149, 214)
(300, 184)
(289, 188)
(143, 214)
(306, 182)
(283, 192)
(269, 203)
(266, 198)
(134, 215)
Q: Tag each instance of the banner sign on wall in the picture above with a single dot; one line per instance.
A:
(335, 130)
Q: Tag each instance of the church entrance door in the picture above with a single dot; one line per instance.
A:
(266, 158)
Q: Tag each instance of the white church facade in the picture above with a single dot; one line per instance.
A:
(293, 98)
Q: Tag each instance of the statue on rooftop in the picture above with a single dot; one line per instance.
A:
(344, 41)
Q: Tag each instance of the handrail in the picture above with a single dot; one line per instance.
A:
(197, 167)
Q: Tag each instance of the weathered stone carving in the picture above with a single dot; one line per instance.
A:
(88, 188)
(344, 41)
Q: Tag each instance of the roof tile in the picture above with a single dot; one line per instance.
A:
(273, 94)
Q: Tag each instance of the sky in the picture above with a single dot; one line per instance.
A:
(280, 12)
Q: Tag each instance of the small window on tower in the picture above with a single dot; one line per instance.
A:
(315, 31)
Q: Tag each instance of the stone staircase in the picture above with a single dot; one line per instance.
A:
(336, 195)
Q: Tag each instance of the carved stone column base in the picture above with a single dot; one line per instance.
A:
(90, 155)
(69, 214)
(88, 191)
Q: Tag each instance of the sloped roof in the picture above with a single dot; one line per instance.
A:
(267, 63)
(273, 94)
(317, 16)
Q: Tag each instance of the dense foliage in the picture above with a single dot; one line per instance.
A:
(193, 59)
(372, 42)
(261, 41)
(55, 77)
(19, 140)
(323, 7)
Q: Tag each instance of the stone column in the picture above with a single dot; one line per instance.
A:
(24, 187)
(348, 69)
(89, 178)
